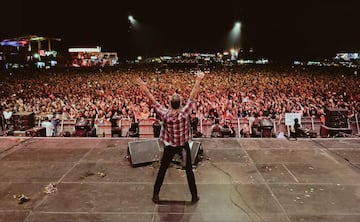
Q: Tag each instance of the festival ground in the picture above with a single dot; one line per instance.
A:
(247, 180)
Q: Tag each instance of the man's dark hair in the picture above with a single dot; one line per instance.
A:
(175, 101)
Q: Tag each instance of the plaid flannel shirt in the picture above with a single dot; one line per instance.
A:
(176, 127)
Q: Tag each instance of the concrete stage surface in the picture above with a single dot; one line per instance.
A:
(273, 180)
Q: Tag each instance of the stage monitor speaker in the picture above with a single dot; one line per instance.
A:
(19, 133)
(326, 131)
(195, 150)
(144, 152)
(36, 132)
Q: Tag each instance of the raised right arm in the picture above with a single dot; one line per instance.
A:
(147, 92)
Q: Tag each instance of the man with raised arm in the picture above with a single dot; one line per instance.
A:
(175, 133)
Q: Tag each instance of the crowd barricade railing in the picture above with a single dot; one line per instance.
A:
(146, 126)
(205, 125)
(308, 122)
(104, 128)
(66, 125)
(242, 122)
(354, 124)
(357, 123)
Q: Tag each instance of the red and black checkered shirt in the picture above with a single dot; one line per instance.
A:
(176, 127)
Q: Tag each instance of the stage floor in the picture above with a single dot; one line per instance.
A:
(247, 180)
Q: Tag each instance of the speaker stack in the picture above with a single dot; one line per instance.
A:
(82, 126)
(336, 122)
(23, 121)
(266, 126)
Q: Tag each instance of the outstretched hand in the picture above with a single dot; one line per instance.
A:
(140, 82)
(200, 75)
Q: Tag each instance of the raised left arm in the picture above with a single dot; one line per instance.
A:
(196, 89)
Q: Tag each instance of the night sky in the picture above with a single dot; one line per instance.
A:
(281, 29)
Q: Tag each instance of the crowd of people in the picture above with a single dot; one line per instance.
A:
(242, 92)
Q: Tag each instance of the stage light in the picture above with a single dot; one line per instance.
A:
(234, 44)
(235, 33)
(131, 19)
(134, 24)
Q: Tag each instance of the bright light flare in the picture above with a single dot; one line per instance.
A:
(235, 33)
(131, 19)
(133, 22)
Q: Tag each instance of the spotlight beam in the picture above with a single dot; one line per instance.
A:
(235, 33)
(131, 19)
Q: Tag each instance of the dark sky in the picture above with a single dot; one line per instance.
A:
(283, 29)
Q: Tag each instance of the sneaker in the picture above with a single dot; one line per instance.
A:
(156, 199)
(195, 199)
